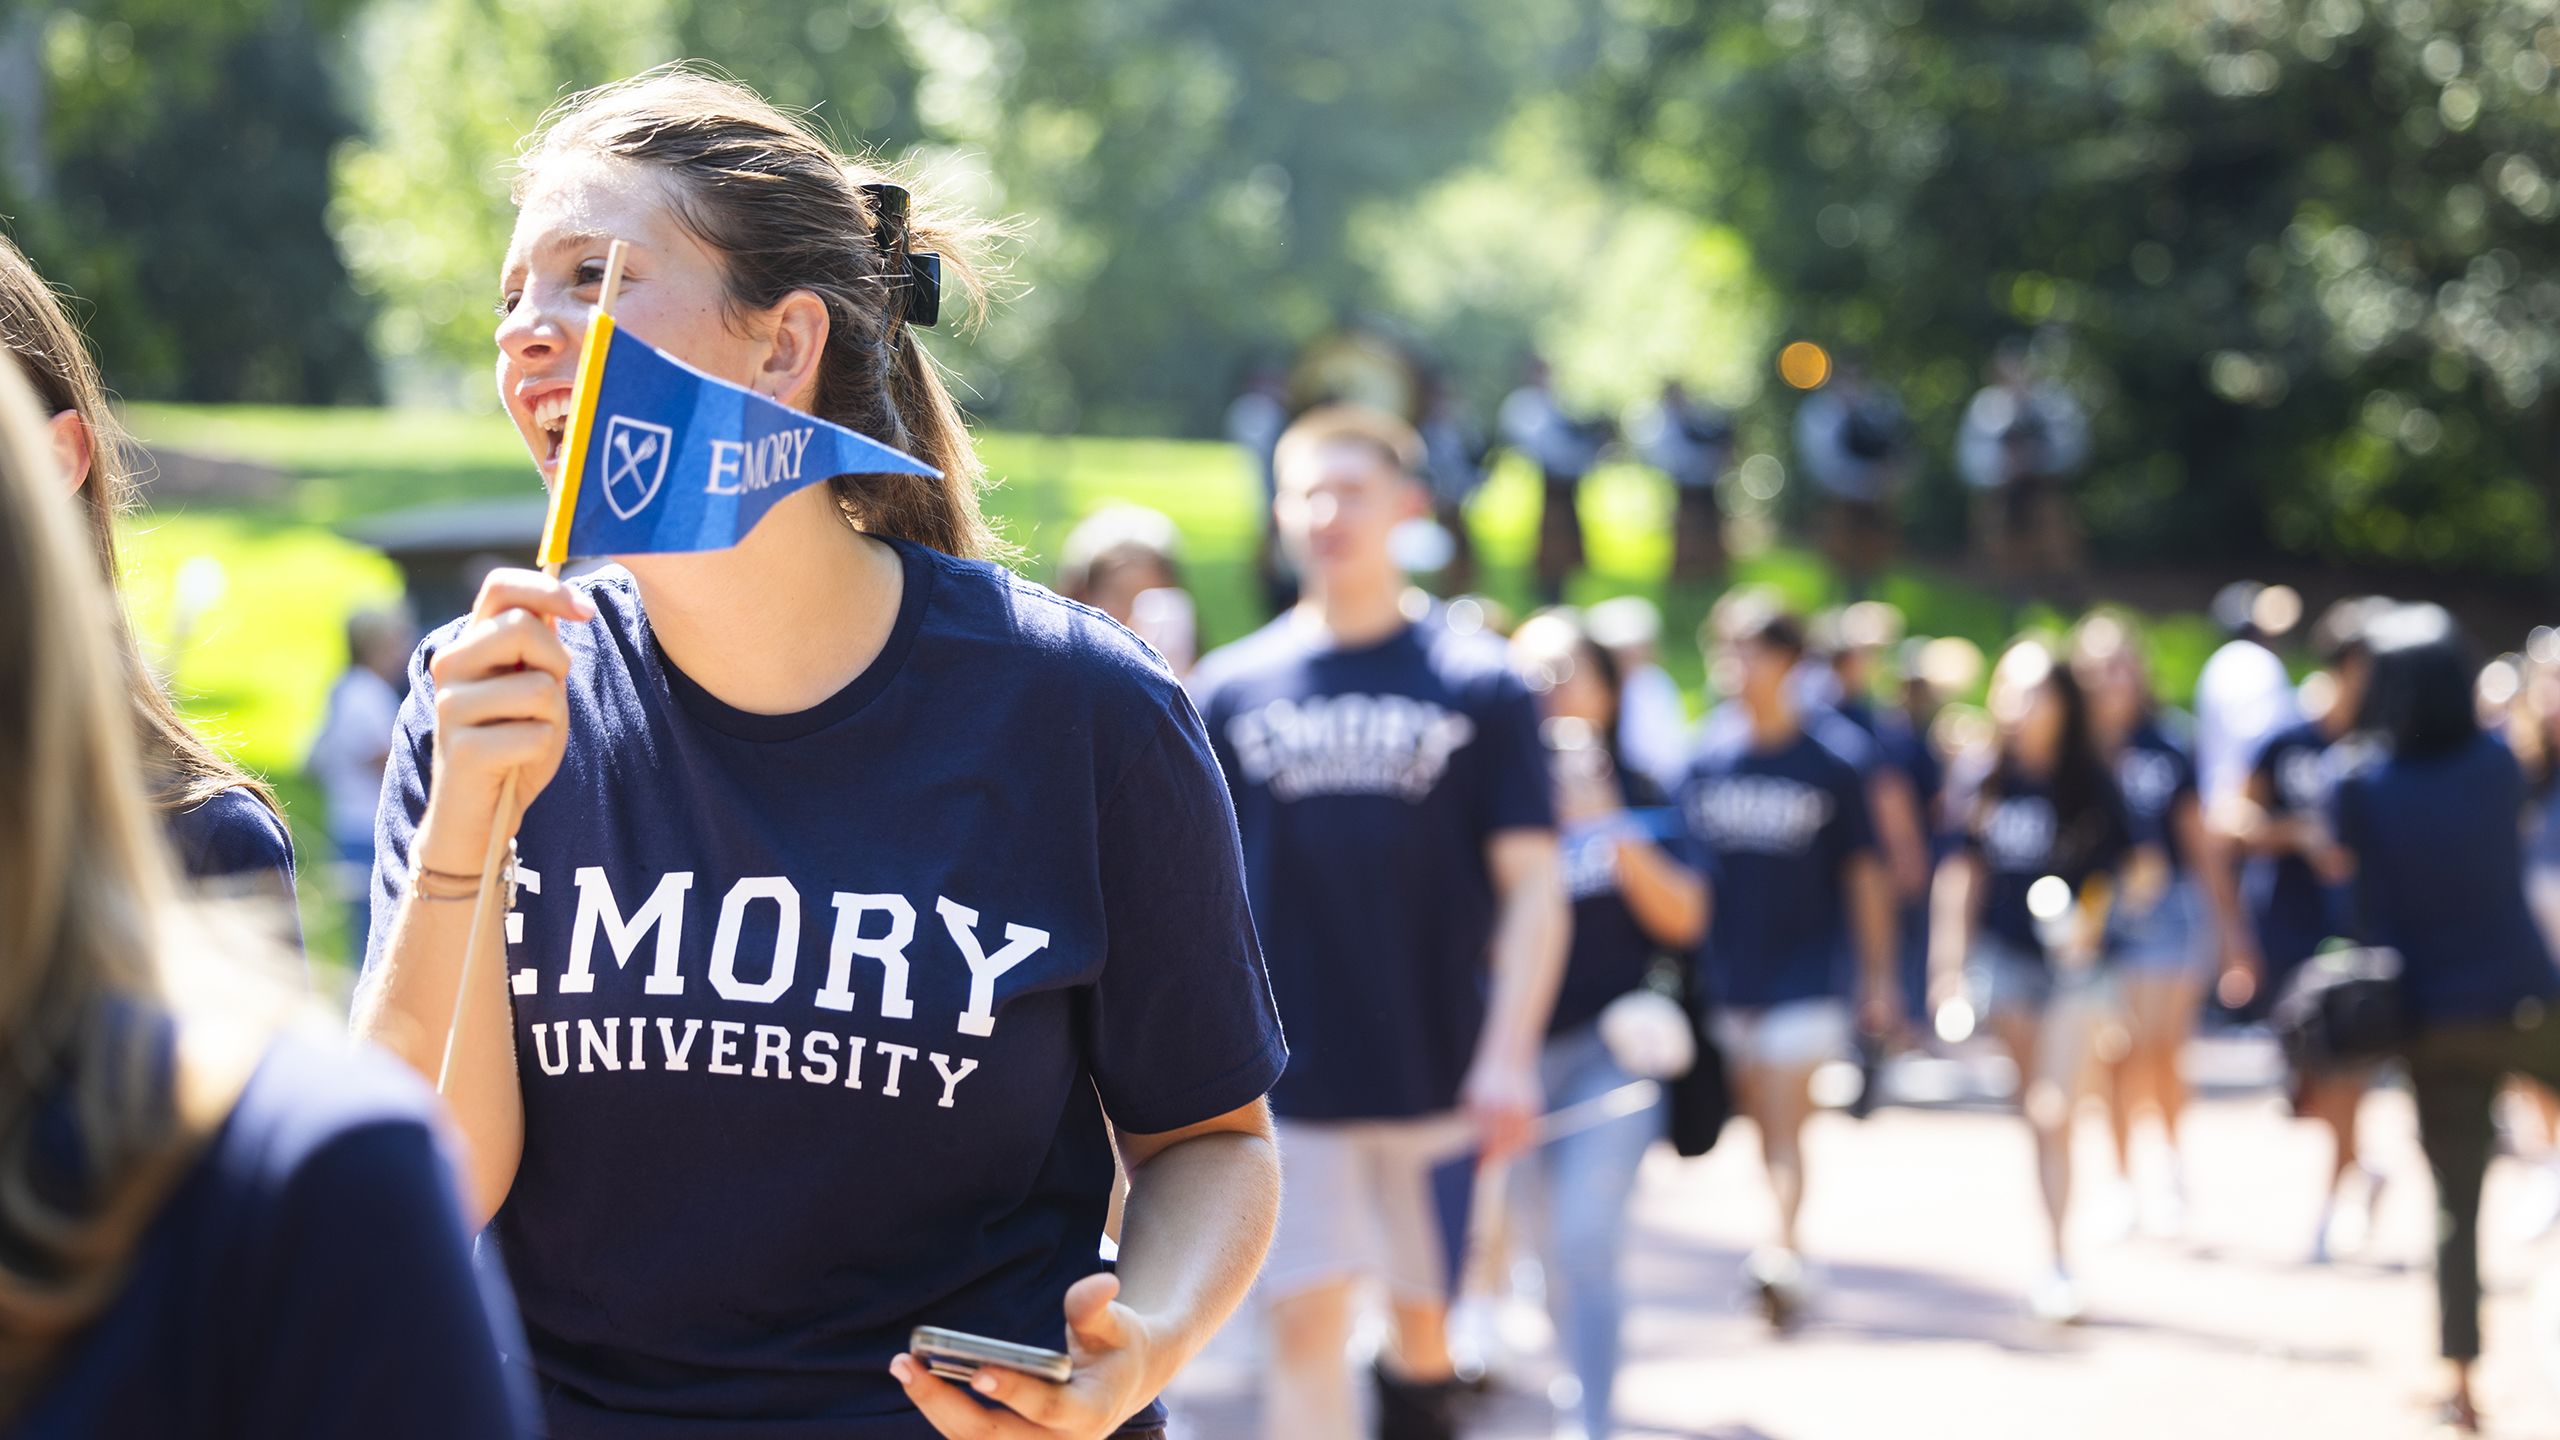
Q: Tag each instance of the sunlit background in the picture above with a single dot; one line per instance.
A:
(2295, 260)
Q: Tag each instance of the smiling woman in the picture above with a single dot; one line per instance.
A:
(726, 229)
(720, 736)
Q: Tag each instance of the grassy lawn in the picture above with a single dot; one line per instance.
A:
(254, 660)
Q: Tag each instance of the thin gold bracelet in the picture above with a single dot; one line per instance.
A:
(427, 884)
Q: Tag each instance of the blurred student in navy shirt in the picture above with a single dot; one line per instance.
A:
(209, 1227)
(2163, 956)
(2020, 910)
(1777, 805)
(1399, 840)
(2430, 808)
(2292, 890)
(1902, 780)
(1637, 896)
(866, 896)
(223, 824)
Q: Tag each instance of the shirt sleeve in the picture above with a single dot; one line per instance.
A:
(234, 836)
(1181, 1027)
(2116, 835)
(1518, 792)
(404, 800)
(1853, 826)
(370, 1226)
(2344, 813)
(234, 846)
(1690, 836)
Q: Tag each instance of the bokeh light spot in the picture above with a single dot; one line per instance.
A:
(1804, 365)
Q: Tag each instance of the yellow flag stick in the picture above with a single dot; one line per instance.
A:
(555, 549)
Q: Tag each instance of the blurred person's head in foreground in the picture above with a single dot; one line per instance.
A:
(379, 639)
(1118, 553)
(2532, 721)
(2107, 659)
(1854, 639)
(1347, 477)
(95, 941)
(2420, 702)
(2334, 696)
(1753, 643)
(2041, 721)
(1629, 627)
(1574, 675)
(91, 455)
(2248, 610)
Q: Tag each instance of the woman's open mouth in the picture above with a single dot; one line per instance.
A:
(551, 422)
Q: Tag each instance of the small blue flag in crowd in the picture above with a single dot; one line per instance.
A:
(661, 457)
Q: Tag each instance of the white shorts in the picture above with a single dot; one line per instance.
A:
(1799, 1035)
(1355, 1201)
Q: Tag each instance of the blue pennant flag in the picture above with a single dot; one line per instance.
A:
(661, 457)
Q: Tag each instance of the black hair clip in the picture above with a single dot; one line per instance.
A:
(923, 282)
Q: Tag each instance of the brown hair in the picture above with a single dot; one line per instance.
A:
(89, 918)
(183, 770)
(787, 212)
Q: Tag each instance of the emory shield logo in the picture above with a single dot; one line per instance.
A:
(635, 461)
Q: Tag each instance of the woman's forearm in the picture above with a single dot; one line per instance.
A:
(1531, 934)
(1668, 899)
(1951, 905)
(1199, 1219)
(2211, 864)
(406, 1005)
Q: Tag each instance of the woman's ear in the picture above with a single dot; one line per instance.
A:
(795, 349)
(71, 447)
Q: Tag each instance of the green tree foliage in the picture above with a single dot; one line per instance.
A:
(1528, 251)
(457, 84)
(171, 166)
(2303, 251)
(1187, 171)
(1193, 169)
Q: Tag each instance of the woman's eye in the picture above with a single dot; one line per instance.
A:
(590, 273)
(506, 302)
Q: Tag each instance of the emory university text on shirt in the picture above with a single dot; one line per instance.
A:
(757, 1049)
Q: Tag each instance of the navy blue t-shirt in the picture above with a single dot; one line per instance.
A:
(2155, 775)
(2015, 831)
(1895, 744)
(233, 845)
(1611, 951)
(2291, 909)
(818, 1016)
(232, 835)
(1367, 784)
(1777, 829)
(310, 1279)
(2440, 878)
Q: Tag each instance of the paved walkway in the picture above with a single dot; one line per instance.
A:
(1927, 1228)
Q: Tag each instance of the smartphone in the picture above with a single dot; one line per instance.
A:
(957, 1355)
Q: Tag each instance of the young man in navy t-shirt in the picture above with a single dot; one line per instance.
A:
(1400, 856)
(1777, 802)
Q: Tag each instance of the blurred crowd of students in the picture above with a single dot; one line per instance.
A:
(2019, 444)
(1850, 858)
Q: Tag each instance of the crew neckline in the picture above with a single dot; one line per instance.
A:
(729, 720)
(1319, 641)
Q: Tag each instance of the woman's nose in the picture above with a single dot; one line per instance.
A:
(534, 331)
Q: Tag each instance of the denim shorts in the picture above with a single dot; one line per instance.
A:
(2168, 939)
(2006, 980)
